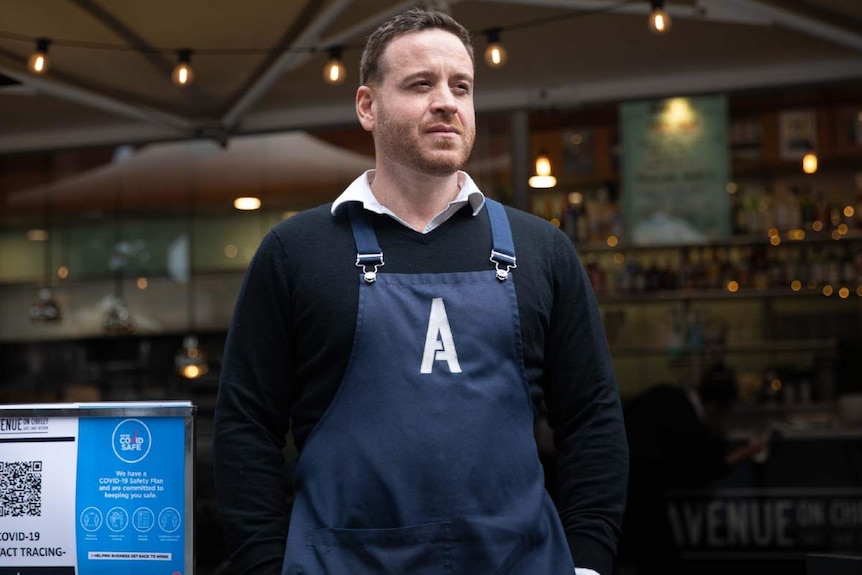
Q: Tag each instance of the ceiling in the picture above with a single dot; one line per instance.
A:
(258, 63)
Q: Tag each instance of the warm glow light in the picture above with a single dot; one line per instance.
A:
(555, 222)
(731, 187)
(543, 177)
(775, 240)
(191, 372)
(816, 225)
(183, 74)
(809, 162)
(797, 234)
(849, 212)
(38, 62)
(732, 286)
(678, 113)
(334, 72)
(247, 203)
(619, 258)
(796, 285)
(37, 235)
(576, 198)
(62, 272)
(230, 251)
(843, 293)
(495, 54)
(659, 21)
(859, 291)
(191, 361)
(836, 235)
(142, 283)
(772, 232)
(842, 229)
(613, 241)
(827, 290)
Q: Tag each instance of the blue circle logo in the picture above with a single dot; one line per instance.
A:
(131, 440)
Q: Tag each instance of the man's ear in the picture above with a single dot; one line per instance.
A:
(365, 107)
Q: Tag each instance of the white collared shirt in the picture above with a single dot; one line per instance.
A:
(360, 191)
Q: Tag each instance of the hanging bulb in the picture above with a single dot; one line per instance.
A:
(191, 362)
(809, 161)
(495, 54)
(38, 62)
(183, 74)
(543, 177)
(659, 21)
(334, 72)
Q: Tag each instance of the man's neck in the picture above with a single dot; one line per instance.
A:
(414, 197)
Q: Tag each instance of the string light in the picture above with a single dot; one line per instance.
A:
(334, 72)
(659, 21)
(246, 203)
(495, 54)
(809, 161)
(38, 62)
(543, 177)
(183, 74)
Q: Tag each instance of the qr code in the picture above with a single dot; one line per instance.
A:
(20, 488)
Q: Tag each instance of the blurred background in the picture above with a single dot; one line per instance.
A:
(707, 165)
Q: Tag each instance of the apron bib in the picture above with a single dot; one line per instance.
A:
(425, 461)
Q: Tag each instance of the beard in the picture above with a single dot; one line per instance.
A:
(402, 142)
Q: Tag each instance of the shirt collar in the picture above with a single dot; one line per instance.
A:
(360, 191)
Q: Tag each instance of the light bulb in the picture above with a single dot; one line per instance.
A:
(543, 177)
(38, 62)
(809, 162)
(334, 72)
(495, 54)
(246, 203)
(659, 21)
(183, 74)
(191, 361)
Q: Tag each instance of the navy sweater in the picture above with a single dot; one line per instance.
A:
(290, 339)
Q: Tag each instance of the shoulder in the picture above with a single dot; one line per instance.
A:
(541, 241)
(306, 236)
(314, 220)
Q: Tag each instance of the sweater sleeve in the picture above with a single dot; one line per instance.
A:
(252, 417)
(584, 410)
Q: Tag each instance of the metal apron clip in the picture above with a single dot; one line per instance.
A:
(365, 260)
(503, 263)
(369, 254)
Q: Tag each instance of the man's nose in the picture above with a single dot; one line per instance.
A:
(444, 101)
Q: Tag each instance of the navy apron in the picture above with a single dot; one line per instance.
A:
(425, 462)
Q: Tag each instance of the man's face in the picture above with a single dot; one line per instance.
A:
(422, 114)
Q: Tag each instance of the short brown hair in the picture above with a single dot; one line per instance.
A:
(413, 20)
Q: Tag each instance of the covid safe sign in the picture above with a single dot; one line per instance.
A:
(94, 494)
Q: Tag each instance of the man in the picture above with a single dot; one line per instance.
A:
(677, 440)
(403, 360)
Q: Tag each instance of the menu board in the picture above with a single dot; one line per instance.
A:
(96, 489)
(675, 170)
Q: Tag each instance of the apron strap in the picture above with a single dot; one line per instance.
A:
(370, 255)
(368, 252)
(503, 252)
